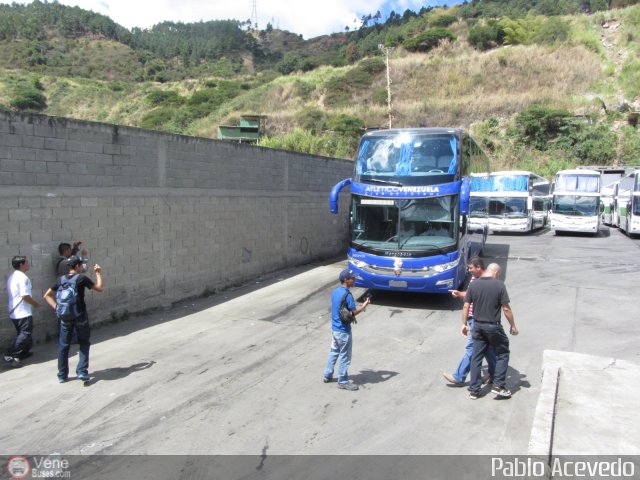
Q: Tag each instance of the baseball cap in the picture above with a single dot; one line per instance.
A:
(346, 273)
(75, 260)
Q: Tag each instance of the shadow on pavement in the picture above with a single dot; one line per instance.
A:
(372, 376)
(117, 373)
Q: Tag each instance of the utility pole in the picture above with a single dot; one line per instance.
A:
(254, 14)
(386, 51)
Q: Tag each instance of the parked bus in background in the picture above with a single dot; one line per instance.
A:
(628, 203)
(409, 207)
(608, 198)
(516, 201)
(575, 205)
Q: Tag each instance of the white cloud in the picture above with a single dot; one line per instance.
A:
(307, 17)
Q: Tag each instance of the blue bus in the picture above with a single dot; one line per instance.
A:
(409, 209)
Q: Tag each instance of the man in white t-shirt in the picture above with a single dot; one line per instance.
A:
(20, 304)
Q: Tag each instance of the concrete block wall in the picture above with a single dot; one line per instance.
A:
(166, 216)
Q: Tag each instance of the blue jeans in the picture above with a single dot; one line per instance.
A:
(81, 328)
(340, 349)
(487, 335)
(22, 344)
(465, 364)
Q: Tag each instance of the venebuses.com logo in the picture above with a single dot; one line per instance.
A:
(38, 467)
(18, 467)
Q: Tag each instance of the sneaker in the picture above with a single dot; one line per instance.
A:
(62, 380)
(501, 392)
(11, 361)
(83, 376)
(487, 380)
(326, 379)
(473, 395)
(352, 387)
(449, 378)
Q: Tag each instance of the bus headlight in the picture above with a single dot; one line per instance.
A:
(443, 267)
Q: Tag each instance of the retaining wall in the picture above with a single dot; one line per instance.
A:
(166, 216)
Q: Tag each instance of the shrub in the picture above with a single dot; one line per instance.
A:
(537, 125)
(553, 30)
(379, 97)
(28, 97)
(336, 91)
(312, 120)
(485, 37)
(158, 97)
(157, 118)
(595, 145)
(442, 20)
(347, 125)
(630, 146)
(372, 65)
(425, 41)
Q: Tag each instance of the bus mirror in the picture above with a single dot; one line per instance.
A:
(335, 193)
(465, 192)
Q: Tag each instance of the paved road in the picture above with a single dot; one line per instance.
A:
(240, 372)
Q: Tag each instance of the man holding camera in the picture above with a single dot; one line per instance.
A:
(75, 320)
(342, 341)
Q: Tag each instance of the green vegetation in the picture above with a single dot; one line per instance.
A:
(540, 84)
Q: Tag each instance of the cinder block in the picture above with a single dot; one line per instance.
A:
(12, 165)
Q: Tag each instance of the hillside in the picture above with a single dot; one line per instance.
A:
(540, 93)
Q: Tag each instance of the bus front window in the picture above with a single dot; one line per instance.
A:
(508, 207)
(577, 205)
(423, 225)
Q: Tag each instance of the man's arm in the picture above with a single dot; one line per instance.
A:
(361, 308)
(98, 284)
(458, 294)
(48, 297)
(506, 308)
(28, 299)
(465, 319)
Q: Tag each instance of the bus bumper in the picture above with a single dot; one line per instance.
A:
(429, 283)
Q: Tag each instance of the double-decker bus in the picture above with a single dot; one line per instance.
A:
(409, 205)
(628, 203)
(575, 205)
(516, 201)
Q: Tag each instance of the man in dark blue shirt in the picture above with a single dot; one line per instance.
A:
(342, 342)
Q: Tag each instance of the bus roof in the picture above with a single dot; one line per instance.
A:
(576, 171)
(414, 131)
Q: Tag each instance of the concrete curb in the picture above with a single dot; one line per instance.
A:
(541, 439)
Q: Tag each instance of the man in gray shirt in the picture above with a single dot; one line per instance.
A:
(489, 297)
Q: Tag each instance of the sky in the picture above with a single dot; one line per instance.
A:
(310, 18)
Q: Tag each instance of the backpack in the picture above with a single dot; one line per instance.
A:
(67, 308)
(346, 316)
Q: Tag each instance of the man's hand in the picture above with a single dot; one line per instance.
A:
(457, 293)
(465, 330)
(97, 268)
(513, 330)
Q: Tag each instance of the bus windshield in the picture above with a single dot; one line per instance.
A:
(508, 207)
(577, 205)
(425, 225)
(406, 155)
(477, 206)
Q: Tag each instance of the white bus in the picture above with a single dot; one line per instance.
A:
(515, 201)
(575, 205)
(608, 198)
(628, 203)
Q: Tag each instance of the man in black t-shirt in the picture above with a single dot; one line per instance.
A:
(79, 324)
(489, 297)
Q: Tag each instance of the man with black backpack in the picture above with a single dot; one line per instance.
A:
(71, 311)
(343, 313)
